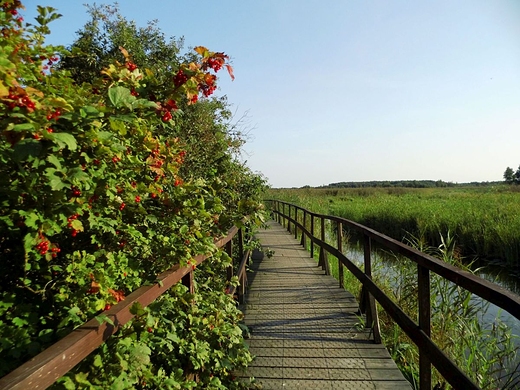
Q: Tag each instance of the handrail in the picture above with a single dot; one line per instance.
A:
(419, 333)
(45, 368)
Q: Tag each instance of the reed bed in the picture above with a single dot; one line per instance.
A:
(485, 222)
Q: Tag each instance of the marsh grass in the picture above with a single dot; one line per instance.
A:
(484, 220)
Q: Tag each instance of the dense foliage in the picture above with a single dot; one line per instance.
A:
(112, 170)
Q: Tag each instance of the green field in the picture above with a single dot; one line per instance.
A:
(484, 220)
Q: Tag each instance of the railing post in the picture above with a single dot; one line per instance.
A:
(303, 241)
(371, 313)
(283, 212)
(278, 218)
(187, 280)
(312, 235)
(339, 235)
(423, 279)
(229, 251)
(241, 243)
(295, 222)
(289, 220)
(324, 262)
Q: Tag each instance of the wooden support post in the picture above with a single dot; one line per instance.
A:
(339, 235)
(425, 368)
(295, 222)
(241, 243)
(283, 212)
(187, 280)
(323, 253)
(229, 251)
(371, 311)
(289, 220)
(303, 241)
(312, 235)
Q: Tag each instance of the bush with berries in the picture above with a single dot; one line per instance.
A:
(95, 201)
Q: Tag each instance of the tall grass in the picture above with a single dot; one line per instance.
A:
(485, 221)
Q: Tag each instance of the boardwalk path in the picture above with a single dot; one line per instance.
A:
(304, 330)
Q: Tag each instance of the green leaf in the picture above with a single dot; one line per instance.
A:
(24, 127)
(57, 184)
(19, 322)
(82, 378)
(77, 175)
(64, 139)
(55, 161)
(104, 318)
(31, 219)
(121, 97)
(118, 126)
(97, 361)
(26, 148)
(77, 225)
(144, 103)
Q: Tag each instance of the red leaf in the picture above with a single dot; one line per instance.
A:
(230, 71)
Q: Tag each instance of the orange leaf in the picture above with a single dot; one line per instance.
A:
(230, 71)
(124, 52)
(201, 50)
(94, 287)
(118, 295)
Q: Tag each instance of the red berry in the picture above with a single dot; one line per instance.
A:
(137, 199)
(167, 116)
(131, 66)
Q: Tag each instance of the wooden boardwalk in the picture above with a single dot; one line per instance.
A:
(305, 333)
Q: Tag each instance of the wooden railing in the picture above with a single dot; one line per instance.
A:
(304, 221)
(44, 369)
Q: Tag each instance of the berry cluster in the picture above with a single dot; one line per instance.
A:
(49, 63)
(19, 100)
(180, 78)
(131, 66)
(180, 158)
(11, 8)
(73, 217)
(215, 63)
(75, 192)
(43, 247)
(207, 90)
(167, 116)
(54, 115)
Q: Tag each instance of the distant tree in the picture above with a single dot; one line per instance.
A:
(511, 176)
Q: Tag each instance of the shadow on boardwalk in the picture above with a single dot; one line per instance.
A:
(305, 333)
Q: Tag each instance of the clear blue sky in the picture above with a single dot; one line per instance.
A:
(356, 90)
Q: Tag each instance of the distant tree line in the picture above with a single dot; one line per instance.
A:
(405, 183)
(511, 176)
